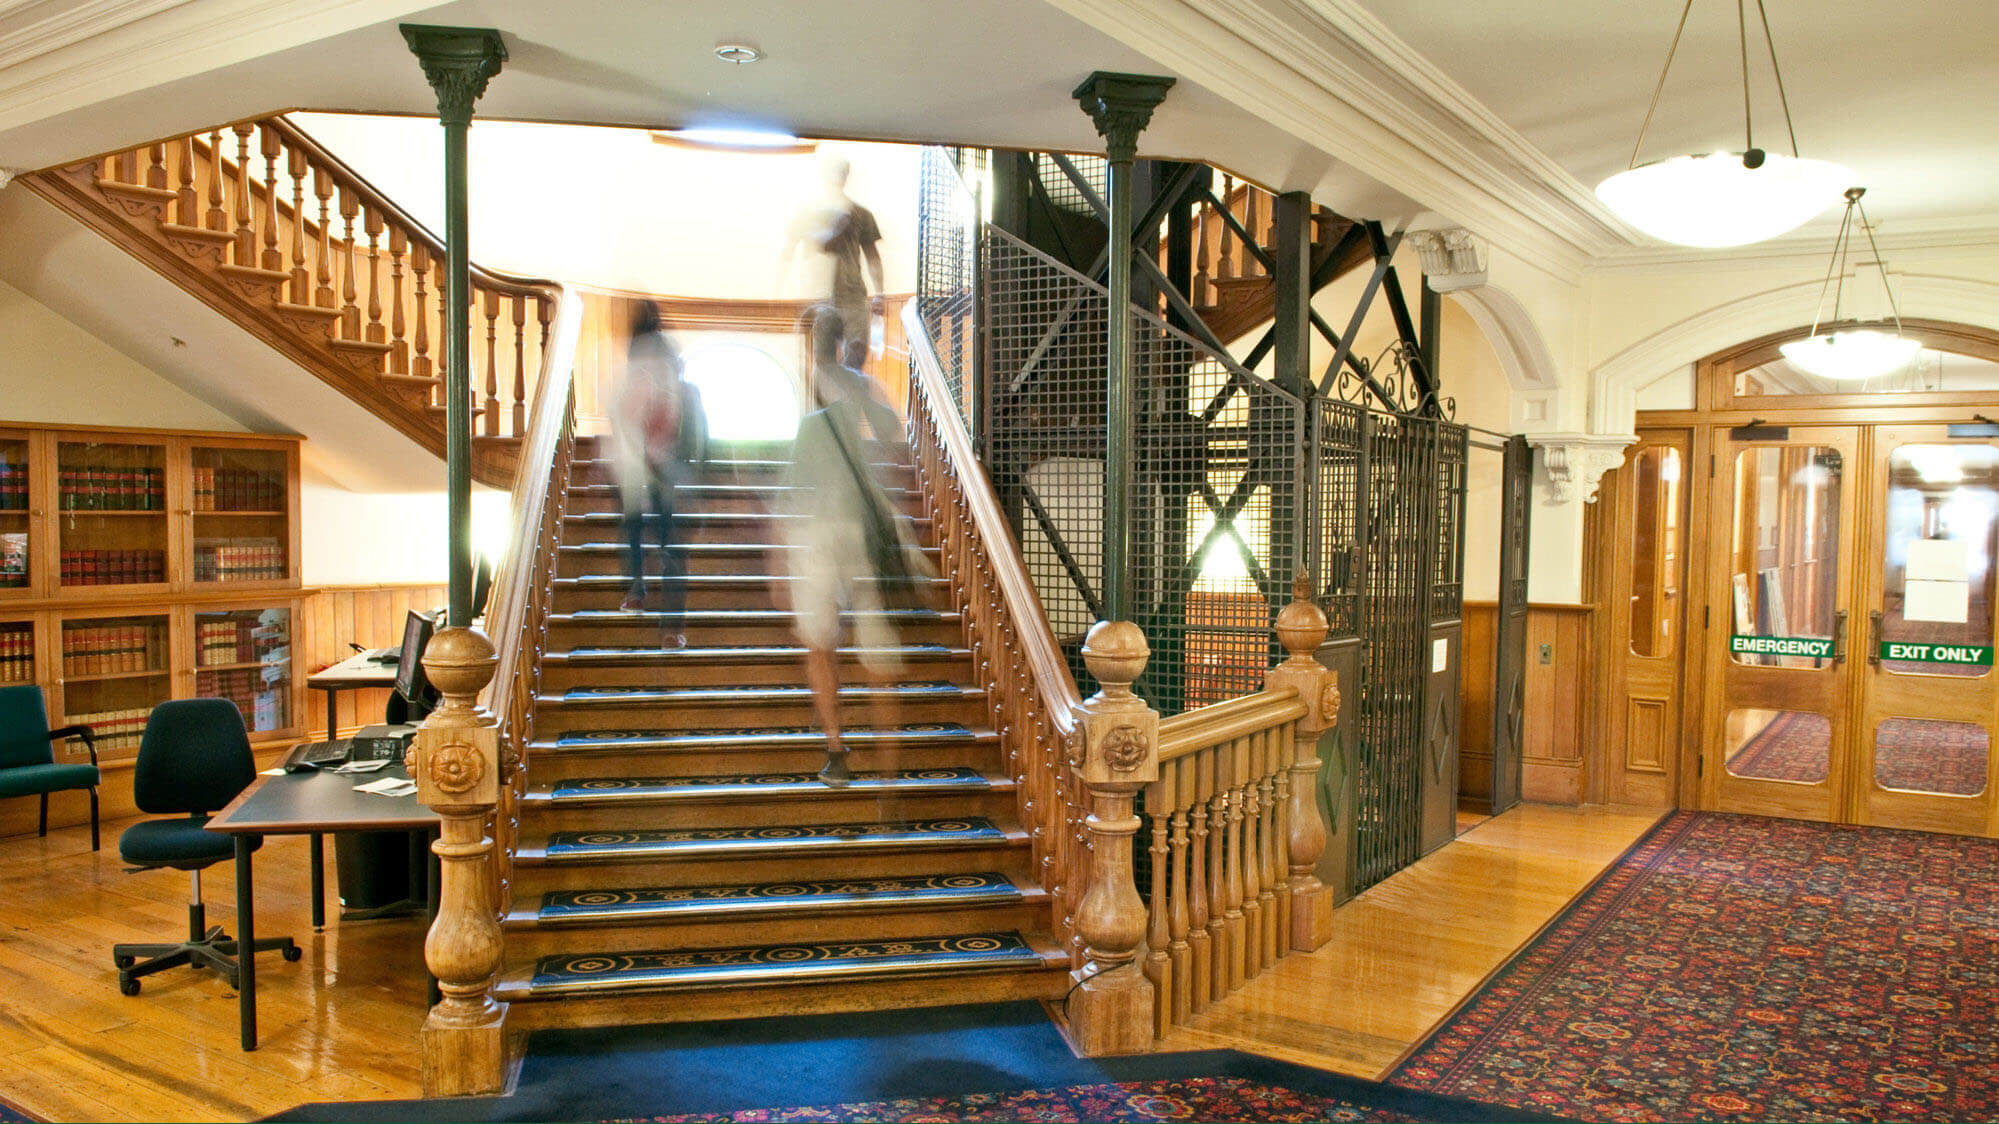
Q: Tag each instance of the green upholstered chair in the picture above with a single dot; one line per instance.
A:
(194, 758)
(28, 757)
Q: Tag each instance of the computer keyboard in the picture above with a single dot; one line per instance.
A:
(320, 753)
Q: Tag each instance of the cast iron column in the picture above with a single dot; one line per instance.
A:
(1120, 105)
(458, 61)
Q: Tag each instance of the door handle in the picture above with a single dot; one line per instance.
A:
(1874, 637)
(1839, 637)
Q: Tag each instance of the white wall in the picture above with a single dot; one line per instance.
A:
(53, 372)
(357, 538)
(616, 209)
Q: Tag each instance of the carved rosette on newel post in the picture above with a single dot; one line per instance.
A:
(1110, 1010)
(1301, 628)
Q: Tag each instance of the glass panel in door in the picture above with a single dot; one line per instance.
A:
(1780, 543)
(1927, 690)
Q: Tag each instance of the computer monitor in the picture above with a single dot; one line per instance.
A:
(411, 682)
(482, 585)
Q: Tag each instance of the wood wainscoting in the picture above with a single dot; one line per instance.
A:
(369, 615)
(1558, 710)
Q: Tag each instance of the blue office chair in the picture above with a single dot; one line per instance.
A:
(27, 753)
(194, 758)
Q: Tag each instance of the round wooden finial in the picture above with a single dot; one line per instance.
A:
(459, 662)
(1301, 625)
(1115, 652)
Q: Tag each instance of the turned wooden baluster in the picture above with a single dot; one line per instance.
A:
(1212, 782)
(1226, 233)
(520, 364)
(217, 219)
(1158, 966)
(270, 146)
(1247, 859)
(420, 273)
(1301, 628)
(1200, 956)
(456, 764)
(297, 168)
(1266, 845)
(1284, 749)
(186, 201)
(542, 309)
(1204, 217)
(156, 166)
(492, 409)
(244, 250)
(371, 220)
(1226, 772)
(1178, 887)
(399, 348)
(350, 309)
(1252, 265)
(322, 293)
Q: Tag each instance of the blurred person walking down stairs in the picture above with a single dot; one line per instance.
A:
(658, 429)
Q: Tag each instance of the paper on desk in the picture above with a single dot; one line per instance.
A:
(277, 772)
(376, 765)
(388, 786)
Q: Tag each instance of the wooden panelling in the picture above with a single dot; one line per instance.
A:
(368, 615)
(1557, 702)
(1475, 694)
(1646, 738)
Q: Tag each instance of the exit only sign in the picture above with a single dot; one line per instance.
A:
(1973, 655)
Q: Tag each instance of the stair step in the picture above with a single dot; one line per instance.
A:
(695, 617)
(769, 965)
(617, 583)
(769, 843)
(768, 899)
(766, 737)
(755, 694)
(956, 780)
(724, 490)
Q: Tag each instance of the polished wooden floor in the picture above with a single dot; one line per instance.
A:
(1409, 950)
(342, 1024)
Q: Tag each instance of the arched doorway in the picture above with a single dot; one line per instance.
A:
(1800, 584)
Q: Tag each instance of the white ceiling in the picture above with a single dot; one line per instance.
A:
(1901, 93)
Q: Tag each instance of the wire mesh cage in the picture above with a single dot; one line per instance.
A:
(947, 260)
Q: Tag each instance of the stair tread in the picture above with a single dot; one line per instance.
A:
(585, 741)
(700, 488)
(714, 842)
(753, 693)
(670, 903)
(709, 516)
(608, 790)
(683, 969)
(726, 653)
(608, 546)
(751, 581)
(704, 616)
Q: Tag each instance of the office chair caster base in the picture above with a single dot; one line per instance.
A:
(127, 985)
(122, 962)
(292, 954)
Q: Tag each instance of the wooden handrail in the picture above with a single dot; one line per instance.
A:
(1193, 730)
(1015, 657)
(522, 580)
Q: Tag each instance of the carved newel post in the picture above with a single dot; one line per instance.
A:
(456, 765)
(1301, 628)
(1110, 1009)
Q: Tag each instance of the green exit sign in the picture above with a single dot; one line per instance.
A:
(1969, 655)
(1812, 647)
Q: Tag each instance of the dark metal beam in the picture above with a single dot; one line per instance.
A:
(1384, 254)
(458, 61)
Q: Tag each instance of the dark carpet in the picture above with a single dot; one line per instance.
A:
(998, 1062)
(11, 1115)
(1739, 968)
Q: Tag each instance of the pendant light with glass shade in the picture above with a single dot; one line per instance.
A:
(1851, 353)
(1723, 198)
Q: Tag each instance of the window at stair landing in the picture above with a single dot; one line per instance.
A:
(748, 393)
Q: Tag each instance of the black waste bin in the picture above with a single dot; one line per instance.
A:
(381, 873)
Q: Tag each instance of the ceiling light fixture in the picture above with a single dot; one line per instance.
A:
(1723, 198)
(738, 53)
(1850, 354)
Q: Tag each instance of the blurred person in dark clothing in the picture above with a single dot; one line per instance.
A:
(658, 429)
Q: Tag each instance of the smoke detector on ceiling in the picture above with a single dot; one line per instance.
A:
(738, 53)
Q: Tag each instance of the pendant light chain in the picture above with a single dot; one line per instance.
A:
(1782, 100)
(1742, 42)
(1661, 87)
(1832, 268)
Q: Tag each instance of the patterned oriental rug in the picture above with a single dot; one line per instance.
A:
(1921, 756)
(1739, 968)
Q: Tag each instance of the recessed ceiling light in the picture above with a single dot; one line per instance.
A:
(738, 53)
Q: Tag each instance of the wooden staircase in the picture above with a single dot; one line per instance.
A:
(269, 229)
(672, 836)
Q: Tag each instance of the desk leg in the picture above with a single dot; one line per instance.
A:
(332, 713)
(246, 945)
(318, 882)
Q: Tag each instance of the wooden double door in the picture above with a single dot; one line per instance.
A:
(1840, 652)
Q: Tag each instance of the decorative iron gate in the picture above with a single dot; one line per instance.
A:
(1237, 483)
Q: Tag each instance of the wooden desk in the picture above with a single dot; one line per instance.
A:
(306, 804)
(355, 673)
